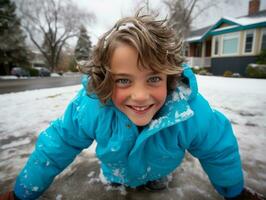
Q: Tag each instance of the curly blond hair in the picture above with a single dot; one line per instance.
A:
(157, 45)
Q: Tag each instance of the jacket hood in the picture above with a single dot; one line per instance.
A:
(176, 108)
(188, 85)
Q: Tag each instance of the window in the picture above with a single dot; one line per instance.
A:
(216, 46)
(185, 50)
(249, 41)
(263, 39)
(198, 50)
(230, 44)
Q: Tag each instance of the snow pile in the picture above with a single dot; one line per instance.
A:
(23, 115)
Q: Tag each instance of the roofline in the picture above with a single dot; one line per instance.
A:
(229, 30)
(239, 28)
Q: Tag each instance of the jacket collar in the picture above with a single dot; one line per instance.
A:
(177, 109)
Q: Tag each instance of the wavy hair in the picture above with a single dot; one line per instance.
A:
(157, 45)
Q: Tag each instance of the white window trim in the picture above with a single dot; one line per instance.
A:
(213, 46)
(230, 36)
(253, 42)
(262, 30)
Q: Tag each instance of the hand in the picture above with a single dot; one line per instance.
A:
(248, 194)
(7, 196)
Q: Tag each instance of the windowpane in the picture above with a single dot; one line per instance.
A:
(230, 45)
(216, 46)
(263, 45)
(249, 42)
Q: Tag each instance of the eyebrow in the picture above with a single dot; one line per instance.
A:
(129, 75)
(120, 74)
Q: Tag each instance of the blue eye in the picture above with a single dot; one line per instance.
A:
(123, 82)
(154, 79)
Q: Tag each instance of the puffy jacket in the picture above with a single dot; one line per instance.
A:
(185, 122)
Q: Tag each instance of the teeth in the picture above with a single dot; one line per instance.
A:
(138, 108)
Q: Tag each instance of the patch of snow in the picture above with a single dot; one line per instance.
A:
(247, 20)
(23, 115)
(121, 189)
(35, 188)
(195, 38)
(8, 77)
(54, 75)
(59, 197)
(155, 123)
(102, 178)
(91, 174)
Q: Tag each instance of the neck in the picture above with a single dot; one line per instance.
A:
(140, 128)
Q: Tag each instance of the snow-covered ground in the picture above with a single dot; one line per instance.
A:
(24, 114)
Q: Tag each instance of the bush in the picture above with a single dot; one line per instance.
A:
(256, 71)
(201, 70)
(236, 75)
(262, 57)
(195, 69)
(73, 66)
(228, 73)
(33, 72)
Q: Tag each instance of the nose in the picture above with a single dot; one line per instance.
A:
(140, 93)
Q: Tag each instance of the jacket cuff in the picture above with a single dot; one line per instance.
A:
(22, 193)
(230, 191)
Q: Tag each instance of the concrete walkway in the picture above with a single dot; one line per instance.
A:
(81, 181)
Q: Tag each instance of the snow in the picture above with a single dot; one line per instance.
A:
(225, 28)
(55, 75)
(195, 38)
(59, 197)
(24, 114)
(8, 77)
(244, 21)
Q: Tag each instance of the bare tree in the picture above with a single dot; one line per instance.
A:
(183, 12)
(145, 6)
(50, 23)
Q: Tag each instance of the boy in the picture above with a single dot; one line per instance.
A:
(142, 106)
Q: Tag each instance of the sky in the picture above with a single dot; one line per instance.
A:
(108, 12)
(24, 114)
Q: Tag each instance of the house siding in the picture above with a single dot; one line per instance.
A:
(234, 64)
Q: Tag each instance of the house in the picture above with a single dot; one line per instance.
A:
(37, 59)
(230, 44)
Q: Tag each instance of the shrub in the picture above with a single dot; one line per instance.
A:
(33, 72)
(195, 69)
(73, 66)
(262, 57)
(228, 73)
(256, 71)
(201, 70)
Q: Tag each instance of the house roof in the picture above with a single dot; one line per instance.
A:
(234, 24)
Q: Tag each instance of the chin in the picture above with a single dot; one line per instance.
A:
(141, 123)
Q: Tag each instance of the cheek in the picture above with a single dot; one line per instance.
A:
(119, 96)
(160, 94)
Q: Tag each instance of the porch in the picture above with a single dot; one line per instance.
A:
(198, 53)
(199, 61)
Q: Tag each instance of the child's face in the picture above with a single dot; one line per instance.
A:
(138, 93)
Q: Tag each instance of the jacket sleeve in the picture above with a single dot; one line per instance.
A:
(55, 149)
(215, 145)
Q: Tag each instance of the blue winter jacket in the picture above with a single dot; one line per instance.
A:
(185, 122)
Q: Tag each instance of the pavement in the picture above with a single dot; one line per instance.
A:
(23, 84)
(80, 181)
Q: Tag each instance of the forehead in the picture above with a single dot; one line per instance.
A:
(125, 58)
(124, 54)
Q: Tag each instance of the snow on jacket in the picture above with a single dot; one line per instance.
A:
(185, 122)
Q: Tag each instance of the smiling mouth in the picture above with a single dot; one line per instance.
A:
(140, 109)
